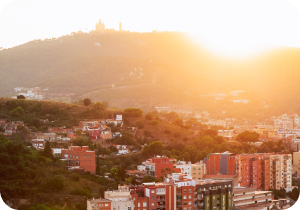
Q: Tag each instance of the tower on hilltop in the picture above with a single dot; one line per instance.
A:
(100, 26)
(120, 26)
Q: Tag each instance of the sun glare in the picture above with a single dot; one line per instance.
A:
(230, 28)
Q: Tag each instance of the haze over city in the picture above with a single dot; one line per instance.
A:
(149, 105)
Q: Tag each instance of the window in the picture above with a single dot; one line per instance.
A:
(152, 197)
(152, 191)
(106, 204)
(77, 157)
(152, 204)
(139, 204)
(144, 204)
(116, 199)
(184, 191)
(190, 196)
(184, 197)
(89, 156)
(101, 205)
(85, 156)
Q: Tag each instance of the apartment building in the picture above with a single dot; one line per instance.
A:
(185, 167)
(214, 195)
(120, 199)
(281, 171)
(264, 171)
(159, 166)
(198, 170)
(99, 204)
(296, 163)
(220, 163)
(227, 134)
(254, 170)
(78, 157)
(162, 196)
(295, 145)
(250, 199)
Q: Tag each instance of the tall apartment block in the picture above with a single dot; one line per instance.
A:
(220, 164)
(264, 171)
(214, 195)
(162, 196)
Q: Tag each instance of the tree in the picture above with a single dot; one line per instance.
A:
(20, 97)
(17, 112)
(247, 136)
(172, 116)
(99, 106)
(106, 104)
(133, 112)
(149, 116)
(154, 148)
(148, 179)
(87, 102)
(48, 150)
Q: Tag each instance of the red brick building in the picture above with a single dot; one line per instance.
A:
(221, 164)
(140, 202)
(158, 166)
(95, 133)
(161, 195)
(185, 197)
(79, 158)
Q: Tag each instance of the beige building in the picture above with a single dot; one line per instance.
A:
(228, 134)
(99, 204)
(280, 171)
(120, 199)
(250, 199)
(296, 163)
(198, 170)
(45, 136)
(295, 145)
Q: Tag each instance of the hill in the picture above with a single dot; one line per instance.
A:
(150, 69)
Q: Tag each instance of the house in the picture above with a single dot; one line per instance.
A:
(78, 157)
(99, 204)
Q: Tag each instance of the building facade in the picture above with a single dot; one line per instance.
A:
(79, 158)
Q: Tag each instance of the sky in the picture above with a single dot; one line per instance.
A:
(232, 27)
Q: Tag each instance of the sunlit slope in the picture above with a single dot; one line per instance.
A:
(85, 62)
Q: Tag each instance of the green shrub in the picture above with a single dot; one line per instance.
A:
(75, 177)
(154, 122)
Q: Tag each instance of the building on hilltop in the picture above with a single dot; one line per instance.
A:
(100, 27)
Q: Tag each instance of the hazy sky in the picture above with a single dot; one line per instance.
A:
(226, 26)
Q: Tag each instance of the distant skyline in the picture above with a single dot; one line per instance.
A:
(230, 27)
